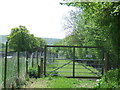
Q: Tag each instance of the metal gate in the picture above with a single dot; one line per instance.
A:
(73, 61)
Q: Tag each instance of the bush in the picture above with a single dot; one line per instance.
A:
(33, 72)
(110, 80)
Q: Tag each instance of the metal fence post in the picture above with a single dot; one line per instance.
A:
(106, 68)
(5, 72)
(73, 61)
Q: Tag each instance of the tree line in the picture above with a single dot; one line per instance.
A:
(95, 24)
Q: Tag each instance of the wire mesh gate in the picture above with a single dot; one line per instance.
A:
(73, 61)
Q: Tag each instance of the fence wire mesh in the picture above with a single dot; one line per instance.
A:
(12, 66)
(1, 79)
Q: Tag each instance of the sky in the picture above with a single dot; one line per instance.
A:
(43, 18)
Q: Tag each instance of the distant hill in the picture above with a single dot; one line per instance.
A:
(3, 38)
(49, 41)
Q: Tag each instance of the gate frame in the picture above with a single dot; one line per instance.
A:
(104, 60)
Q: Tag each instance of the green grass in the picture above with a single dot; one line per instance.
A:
(60, 82)
(68, 69)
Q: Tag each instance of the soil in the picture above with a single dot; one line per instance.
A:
(36, 83)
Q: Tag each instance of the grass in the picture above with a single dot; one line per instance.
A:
(60, 82)
(68, 69)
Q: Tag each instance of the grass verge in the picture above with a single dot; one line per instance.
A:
(60, 82)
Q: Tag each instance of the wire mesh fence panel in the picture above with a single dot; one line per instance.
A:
(3, 68)
(22, 65)
(39, 58)
(1, 81)
(11, 68)
(35, 59)
(29, 62)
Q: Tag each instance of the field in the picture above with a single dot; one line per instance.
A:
(80, 69)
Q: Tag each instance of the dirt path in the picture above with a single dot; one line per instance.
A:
(36, 83)
(87, 83)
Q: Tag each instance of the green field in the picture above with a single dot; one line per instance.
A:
(66, 70)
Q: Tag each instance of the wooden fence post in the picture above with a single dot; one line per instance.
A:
(38, 71)
(102, 62)
(106, 68)
(45, 52)
(5, 72)
(32, 60)
(40, 68)
(27, 66)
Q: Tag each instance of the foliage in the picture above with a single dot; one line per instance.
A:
(110, 80)
(42, 42)
(20, 39)
(96, 24)
(33, 72)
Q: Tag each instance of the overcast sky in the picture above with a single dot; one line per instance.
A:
(41, 17)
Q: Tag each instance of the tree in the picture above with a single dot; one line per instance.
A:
(98, 24)
(20, 39)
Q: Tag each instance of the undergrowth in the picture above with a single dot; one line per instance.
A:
(110, 80)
